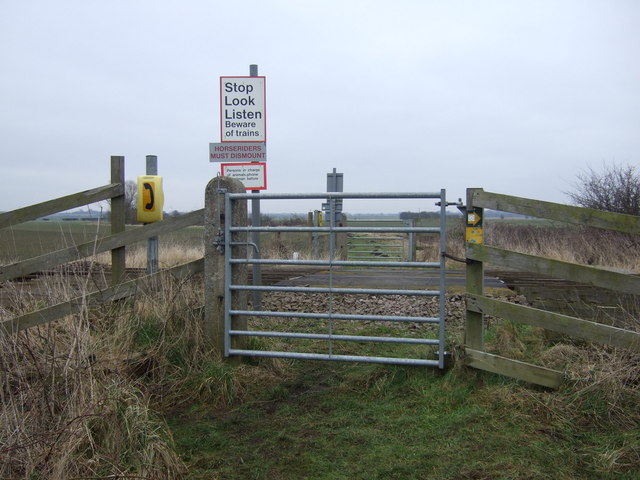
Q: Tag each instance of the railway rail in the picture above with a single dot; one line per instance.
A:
(545, 292)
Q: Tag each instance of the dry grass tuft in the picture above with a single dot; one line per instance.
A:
(78, 395)
(603, 385)
(63, 417)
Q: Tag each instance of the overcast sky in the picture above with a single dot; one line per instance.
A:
(399, 95)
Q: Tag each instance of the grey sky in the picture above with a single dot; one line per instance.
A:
(399, 95)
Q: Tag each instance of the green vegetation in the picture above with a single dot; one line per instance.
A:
(360, 422)
(35, 238)
(132, 390)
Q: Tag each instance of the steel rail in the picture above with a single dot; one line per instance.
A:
(324, 336)
(336, 316)
(336, 358)
(352, 291)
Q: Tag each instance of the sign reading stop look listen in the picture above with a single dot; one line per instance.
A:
(242, 109)
(150, 198)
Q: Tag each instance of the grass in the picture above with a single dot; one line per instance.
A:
(360, 422)
(132, 390)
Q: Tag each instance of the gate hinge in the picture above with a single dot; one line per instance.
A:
(218, 241)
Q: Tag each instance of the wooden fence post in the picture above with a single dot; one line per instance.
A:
(118, 263)
(214, 261)
(474, 327)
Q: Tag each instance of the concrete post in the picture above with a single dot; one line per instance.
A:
(215, 217)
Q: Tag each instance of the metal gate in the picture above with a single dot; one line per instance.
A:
(382, 248)
(402, 338)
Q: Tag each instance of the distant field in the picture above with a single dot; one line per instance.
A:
(36, 238)
(39, 237)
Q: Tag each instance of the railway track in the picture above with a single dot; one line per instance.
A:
(543, 292)
(293, 273)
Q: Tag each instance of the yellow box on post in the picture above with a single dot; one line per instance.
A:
(150, 198)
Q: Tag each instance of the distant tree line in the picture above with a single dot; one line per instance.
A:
(415, 215)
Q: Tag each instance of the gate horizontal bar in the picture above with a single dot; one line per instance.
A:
(336, 316)
(354, 238)
(371, 254)
(247, 229)
(377, 245)
(334, 263)
(336, 358)
(326, 336)
(354, 291)
(329, 195)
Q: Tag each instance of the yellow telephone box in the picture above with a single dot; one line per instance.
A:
(150, 198)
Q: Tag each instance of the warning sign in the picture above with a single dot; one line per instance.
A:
(252, 175)
(237, 152)
(242, 109)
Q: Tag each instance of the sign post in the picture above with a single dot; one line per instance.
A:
(243, 137)
(255, 202)
(152, 242)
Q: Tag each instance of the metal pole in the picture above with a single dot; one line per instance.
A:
(152, 242)
(442, 304)
(255, 236)
(412, 241)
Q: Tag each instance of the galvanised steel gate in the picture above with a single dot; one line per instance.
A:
(319, 330)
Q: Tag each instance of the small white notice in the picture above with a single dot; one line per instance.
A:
(252, 175)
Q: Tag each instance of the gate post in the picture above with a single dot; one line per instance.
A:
(474, 326)
(118, 256)
(214, 260)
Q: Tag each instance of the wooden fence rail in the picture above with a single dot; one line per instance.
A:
(479, 305)
(33, 212)
(116, 242)
(103, 244)
(554, 211)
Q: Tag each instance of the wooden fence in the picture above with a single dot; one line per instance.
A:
(479, 305)
(116, 242)
(477, 254)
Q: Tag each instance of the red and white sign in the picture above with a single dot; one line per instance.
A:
(252, 175)
(242, 109)
(237, 152)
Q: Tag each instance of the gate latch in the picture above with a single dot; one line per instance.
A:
(448, 204)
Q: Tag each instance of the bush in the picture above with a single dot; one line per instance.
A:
(615, 189)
